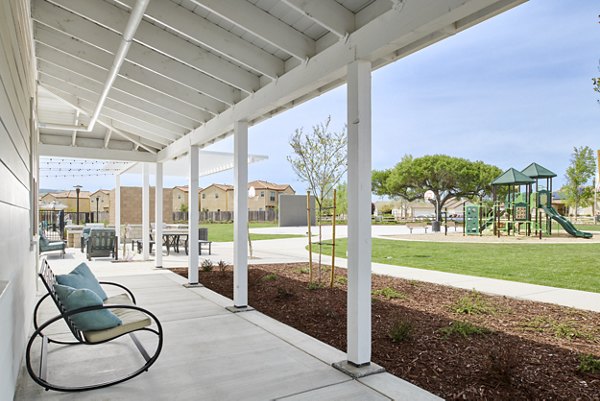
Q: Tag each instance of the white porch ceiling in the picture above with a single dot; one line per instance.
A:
(210, 163)
(197, 66)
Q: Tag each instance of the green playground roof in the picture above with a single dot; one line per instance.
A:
(512, 177)
(534, 170)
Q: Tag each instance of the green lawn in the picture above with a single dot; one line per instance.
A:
(223, 232)
(575, 266)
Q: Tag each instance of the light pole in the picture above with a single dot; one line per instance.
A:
(97, 212)
(53, 215)
(77, 190)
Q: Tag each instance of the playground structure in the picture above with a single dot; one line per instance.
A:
(514, 209)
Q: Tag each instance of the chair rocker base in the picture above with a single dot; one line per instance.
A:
(40, 376)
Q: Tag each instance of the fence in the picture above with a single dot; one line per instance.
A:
(52, 224)
(220, 216)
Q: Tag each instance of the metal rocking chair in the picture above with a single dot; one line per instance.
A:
(134, 318)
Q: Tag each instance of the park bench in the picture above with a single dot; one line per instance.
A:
(84, 323)
(417, 224)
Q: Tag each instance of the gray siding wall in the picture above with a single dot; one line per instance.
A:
(292, 211)
(17, 255)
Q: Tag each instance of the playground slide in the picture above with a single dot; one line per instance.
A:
(486, 223)
(567, 225)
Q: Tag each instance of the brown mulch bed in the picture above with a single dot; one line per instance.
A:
(523, 351)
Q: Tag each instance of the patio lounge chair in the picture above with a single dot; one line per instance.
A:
(101, 243)
(132, 319)
(47, 246)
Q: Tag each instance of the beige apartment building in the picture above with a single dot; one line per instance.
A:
(69, 199)
(217, 198)
(100, 201)
(181, 197)
(267, 194)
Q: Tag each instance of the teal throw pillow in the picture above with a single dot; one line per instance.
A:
(82, 277)
(72, 298)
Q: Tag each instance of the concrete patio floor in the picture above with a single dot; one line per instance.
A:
(209, 353)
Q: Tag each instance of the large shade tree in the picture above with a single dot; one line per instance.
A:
(446, 176)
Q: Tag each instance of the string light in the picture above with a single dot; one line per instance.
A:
(51, 167)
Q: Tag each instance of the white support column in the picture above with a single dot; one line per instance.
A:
(240, 214)
(117, 208)
(359, 213)
(193, 217)
(146, 211)
(158, 237)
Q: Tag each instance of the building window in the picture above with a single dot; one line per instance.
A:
(216, 195)
(272, 197)
(262, 194)
(203, 196)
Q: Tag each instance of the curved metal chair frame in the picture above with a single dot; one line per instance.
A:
(39, 376)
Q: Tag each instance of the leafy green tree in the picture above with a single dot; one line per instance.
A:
(446, 176)
(582, 168)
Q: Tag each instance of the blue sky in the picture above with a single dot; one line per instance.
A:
(510, 91)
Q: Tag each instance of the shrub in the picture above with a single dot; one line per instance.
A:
(400, 331)
(222, 265)
(565, 330)
(464, 329)
(385, 209)
(473, 304)
(207, 265)
(341, 280)
(388, 293)
(314, 285)
(269, 277)
(588, 364)
(568, 331)
(303, 270)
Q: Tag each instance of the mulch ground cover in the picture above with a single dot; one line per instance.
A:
(460, 345)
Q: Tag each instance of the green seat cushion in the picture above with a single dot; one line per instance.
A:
(73, 298)
(82, 277)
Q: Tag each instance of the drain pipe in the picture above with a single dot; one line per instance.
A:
(137, 12)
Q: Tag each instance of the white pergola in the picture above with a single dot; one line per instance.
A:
(150, 81)
(212, 163)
